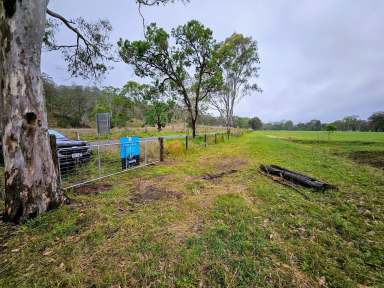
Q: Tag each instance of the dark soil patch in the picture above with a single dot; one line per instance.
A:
(93, 189)
(147, 191)
(216, 176)
(230, 163)
(372, 158)
(223, 167)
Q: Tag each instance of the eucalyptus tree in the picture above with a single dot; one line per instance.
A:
(159, 113)
(239, 60)
(255, 123)
(185, 60)
(31, 179)
(155, 101)
(376, 121)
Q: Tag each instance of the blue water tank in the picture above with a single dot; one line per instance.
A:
(129, 147)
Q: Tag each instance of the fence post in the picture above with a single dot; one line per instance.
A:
(55, 158)
(78, 135)
(228, 133)
(215, 138)
(145, 152)
(186, 143)
(98, 159)
(205, 140)
(161, 142)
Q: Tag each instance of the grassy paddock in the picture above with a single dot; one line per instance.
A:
(323, 135)
(165, 226)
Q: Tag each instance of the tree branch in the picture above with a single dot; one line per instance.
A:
(92, 50)
(68, 24)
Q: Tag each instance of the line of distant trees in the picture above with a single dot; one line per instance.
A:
(374, 123)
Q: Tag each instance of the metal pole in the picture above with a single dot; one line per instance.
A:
(130, 150)
(125, 156)
(98, 159)
(145, 152)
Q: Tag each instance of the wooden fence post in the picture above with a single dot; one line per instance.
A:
(186, 143)
(205, 140)
(215, 138)
(55, 158)
(161, 142)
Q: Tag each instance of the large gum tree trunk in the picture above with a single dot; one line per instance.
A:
(193, 126)
(31, 184)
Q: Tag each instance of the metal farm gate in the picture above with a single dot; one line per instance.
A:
(100, 160)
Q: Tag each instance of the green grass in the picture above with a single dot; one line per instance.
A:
(240, 231)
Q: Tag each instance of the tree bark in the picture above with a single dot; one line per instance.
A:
(192, 113)
(31, 185)
(193, 126)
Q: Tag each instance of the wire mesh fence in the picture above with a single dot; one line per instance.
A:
(88, 163)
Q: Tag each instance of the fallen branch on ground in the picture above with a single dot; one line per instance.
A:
(296, 178)
(284, 182)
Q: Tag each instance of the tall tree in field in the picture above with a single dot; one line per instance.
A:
(255, 123)
(157, 103)
(376, 122)
(159, 113)
(330, 128)
(188, 65)
(239, 60)
(161, 106)
(31, 182)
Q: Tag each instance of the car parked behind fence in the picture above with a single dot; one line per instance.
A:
(71, 153)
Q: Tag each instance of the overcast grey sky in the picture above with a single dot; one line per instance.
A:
(320, 59)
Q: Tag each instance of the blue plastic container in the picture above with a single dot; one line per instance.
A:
(130, 151)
